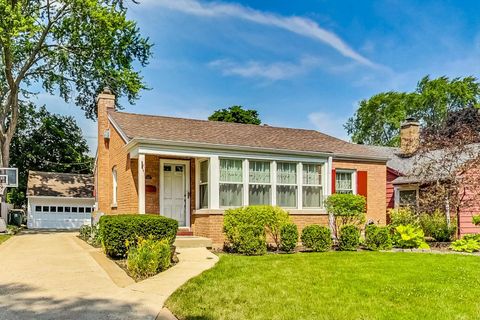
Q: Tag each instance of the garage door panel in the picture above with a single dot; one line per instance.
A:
(64, 215)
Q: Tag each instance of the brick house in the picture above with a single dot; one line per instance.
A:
(192, 170)
(403, 187)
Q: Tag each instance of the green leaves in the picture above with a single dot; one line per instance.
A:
(377, 120)
(409, 236)
(236, 114)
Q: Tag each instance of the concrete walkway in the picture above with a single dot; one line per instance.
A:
(56, 276)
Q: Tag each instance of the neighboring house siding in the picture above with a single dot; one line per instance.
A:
(390, 190)
(376, 185)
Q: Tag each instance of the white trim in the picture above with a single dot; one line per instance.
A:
(300, 186)
(245, 178)
(114, 187)
(187, 187)
(273, 181)
(214, 183)
(58, 197)
(141, 183)
(119, 130)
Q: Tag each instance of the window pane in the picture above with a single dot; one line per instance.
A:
(408, 198)
(287, 196)
(231, 195)
(67, 209)
(59, 209)
(343, 182)
(312, 197)
(45, 209)
(312, 174)
(259, 172)
(286, 173)
(231, 170)
(81, 209)
(88, 210)
(259, 194)
(53, 209)
(74, 209)
(204, 172)
(203, 196)
(38, 208)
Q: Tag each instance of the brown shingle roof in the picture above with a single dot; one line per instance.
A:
(234, 134)
(53, 184)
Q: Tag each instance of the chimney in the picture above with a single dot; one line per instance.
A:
(409, 136)
(105, 103)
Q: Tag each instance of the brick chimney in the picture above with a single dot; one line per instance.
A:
(105, 103)
(409, 136)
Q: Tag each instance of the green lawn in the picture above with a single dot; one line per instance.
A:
(4, 237)
(334, 285)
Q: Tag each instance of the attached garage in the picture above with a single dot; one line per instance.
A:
(59, 200)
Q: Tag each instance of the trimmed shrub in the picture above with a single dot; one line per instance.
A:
(403, 217)
(148, 258)
(85, 232)
(378, 238)
(435, 226)
(349, 239)
(410, 236)
(246, 228)
(318, 238)
(288, 237)
(118, 232)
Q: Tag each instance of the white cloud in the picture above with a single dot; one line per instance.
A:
(298, 25)
(329, 124)
(269, 71)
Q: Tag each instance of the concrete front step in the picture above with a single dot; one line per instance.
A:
(193, 242)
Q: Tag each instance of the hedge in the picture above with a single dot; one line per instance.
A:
(316, 237)
(118, 232)
(349, 239)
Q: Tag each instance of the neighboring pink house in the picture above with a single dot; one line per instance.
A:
(403, 189)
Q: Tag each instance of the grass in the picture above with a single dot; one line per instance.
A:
(4, 237)
(334, 285)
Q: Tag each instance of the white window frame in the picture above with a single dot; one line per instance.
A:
(259, 183)
(243, 183)
(354, 178)
(114, 186)
(277, 184)
(322, 184)
(398, 189)
(200, 183)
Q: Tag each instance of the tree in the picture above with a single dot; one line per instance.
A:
(236, 114)
(72, 48)
(46, 142)
(377, 120)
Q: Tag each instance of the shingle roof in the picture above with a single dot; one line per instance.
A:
(53, 184)
(234, 134)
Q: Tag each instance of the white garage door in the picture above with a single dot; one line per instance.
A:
(59, 216)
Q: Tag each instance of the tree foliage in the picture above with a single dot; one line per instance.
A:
(377, 120)
(71, 48)
(46, 142)
(236, 114)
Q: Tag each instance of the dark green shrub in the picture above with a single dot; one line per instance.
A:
(476, 220)
(475, 236)
(349, 239)
(148, 258)
(435, 226)
(288, 237)
(318, 238)
(85, 232)
(378, 238)
(117, 232)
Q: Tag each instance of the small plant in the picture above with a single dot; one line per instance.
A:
(409, 236)
(349, 239)
(403, 217)
(288, 237)
(378, 238)
(435, 225)
(346, 209)
(475, 237)
(318, 238)
(148, 257)
(85, 232)
(476, 220)
(465, 245)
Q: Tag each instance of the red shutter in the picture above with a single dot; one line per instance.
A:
(333, 180)
(362, 183)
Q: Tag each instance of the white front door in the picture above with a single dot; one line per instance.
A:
(174, 191)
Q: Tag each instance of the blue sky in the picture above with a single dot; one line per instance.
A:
(303, 63)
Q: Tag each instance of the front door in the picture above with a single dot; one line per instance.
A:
(175, 192)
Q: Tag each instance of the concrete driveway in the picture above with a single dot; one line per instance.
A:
(54, 276)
